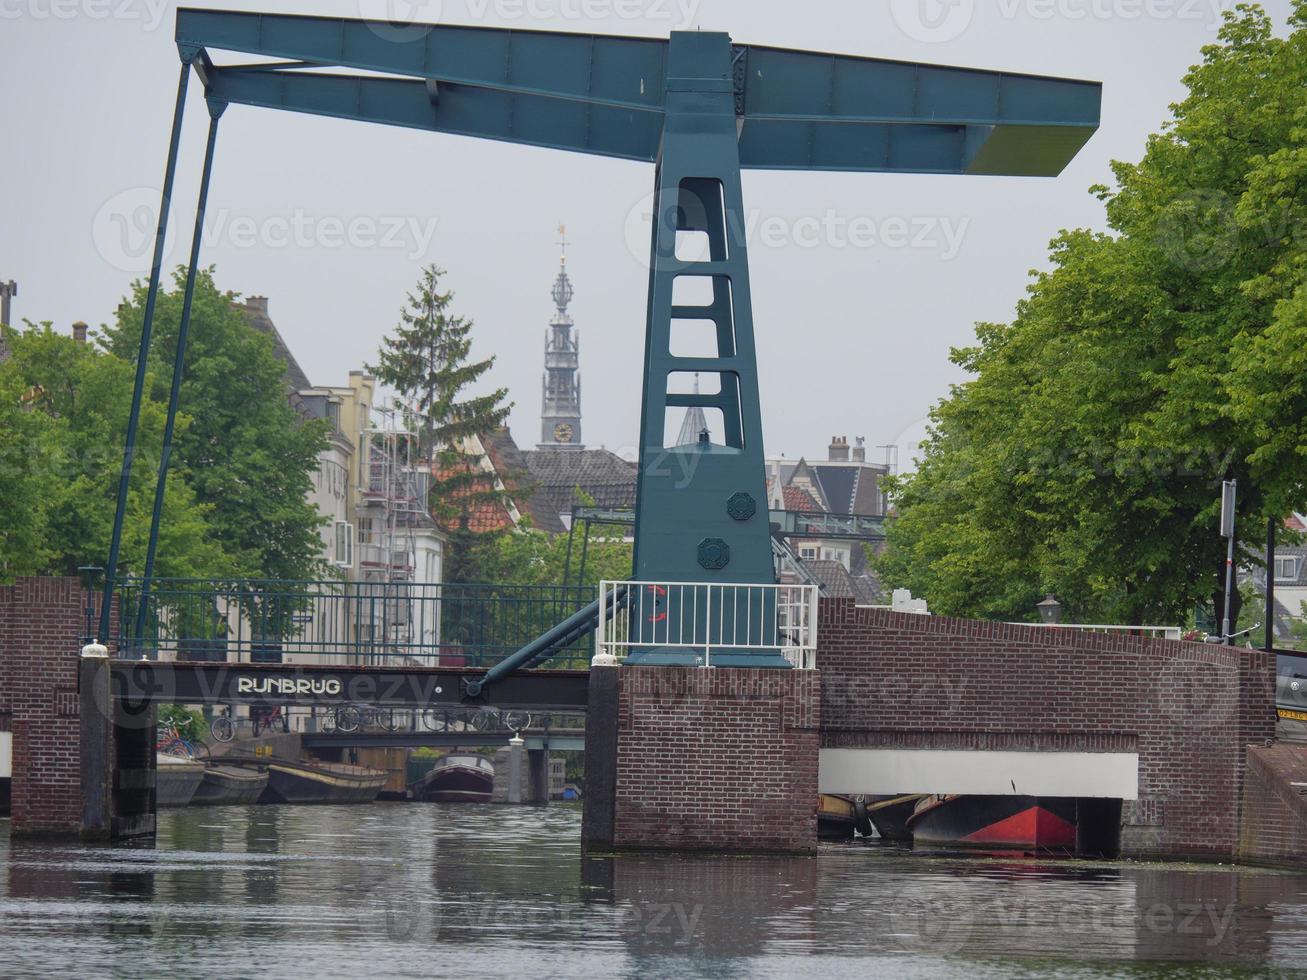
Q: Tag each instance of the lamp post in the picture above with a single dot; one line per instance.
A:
(1269, 645)
(1050, 610)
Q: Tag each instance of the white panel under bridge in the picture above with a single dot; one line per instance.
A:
(1108, 775)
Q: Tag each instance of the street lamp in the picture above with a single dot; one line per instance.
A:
(1050, 610)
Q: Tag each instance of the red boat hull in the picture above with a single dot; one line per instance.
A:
(1040, 825)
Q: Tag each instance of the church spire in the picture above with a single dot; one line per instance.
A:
(560, 403)
(694, 427)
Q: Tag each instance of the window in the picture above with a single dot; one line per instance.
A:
(344, 544)
(809, 554)
(1286, 568)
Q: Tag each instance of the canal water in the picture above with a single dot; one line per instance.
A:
(445, 890)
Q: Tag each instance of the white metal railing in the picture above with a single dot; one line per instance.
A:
(1164, 632)
(703, 618)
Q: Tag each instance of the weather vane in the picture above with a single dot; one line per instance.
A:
(562, 240)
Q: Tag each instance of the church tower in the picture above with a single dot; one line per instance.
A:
(560, 408)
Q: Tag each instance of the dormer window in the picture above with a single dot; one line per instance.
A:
(1286, 568)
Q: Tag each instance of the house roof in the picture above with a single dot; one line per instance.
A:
(484, 453)
(838, 484)
(835, 580)
(556, 476)
(795, 498)
(255, 309)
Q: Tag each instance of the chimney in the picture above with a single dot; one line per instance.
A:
(259, 304)
(860, 450)
(838, 449)
(79, 332)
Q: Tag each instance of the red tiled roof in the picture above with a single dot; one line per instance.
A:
(482, 515)
(795, 498)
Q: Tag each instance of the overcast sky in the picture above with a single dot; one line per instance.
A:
(332, 220)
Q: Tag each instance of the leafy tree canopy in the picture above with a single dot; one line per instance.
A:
(246, 453)
(63, 418)
(1084, 456)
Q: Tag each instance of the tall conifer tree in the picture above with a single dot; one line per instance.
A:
(426, 360)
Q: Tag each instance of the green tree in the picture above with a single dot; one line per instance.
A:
(1084, 456)
(248, 456)
(426, 361)
(63, 418)
(526, 557)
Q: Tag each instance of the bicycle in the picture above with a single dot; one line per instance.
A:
(169, 741)
(269, 720)
(223, 726)
(349, 718)
(489, 718)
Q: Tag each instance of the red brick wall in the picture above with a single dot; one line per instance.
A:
(898, 680)
(1274, 825)
(41, 623)
(717, 759)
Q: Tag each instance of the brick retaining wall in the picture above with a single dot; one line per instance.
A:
(1274, 825)
(897, 680)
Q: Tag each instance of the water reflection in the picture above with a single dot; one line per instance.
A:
(449, 890)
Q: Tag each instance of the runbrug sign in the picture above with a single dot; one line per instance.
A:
(283, 686)
(143, 682)
(232, 683)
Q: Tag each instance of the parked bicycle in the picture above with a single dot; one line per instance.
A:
(350, 718)
(488, 719)
(169, 741)
(223, 726)
(262, 721)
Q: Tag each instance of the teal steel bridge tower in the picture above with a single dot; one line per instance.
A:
(701, 108)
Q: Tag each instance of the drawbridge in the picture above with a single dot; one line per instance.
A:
(700, 107)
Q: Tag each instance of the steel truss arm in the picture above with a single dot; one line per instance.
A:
(607, 95)
(456, 109)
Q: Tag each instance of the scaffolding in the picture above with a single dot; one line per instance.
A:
(392, 508)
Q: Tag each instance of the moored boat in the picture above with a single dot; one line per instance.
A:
(889, 815)
(230, 786)
(176, 779)
(320, 782)
(1036, 825)
(457, 778)
(839, 816)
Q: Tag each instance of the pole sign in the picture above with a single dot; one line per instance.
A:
(1227, 508)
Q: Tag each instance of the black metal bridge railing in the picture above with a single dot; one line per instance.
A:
(346, 623)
